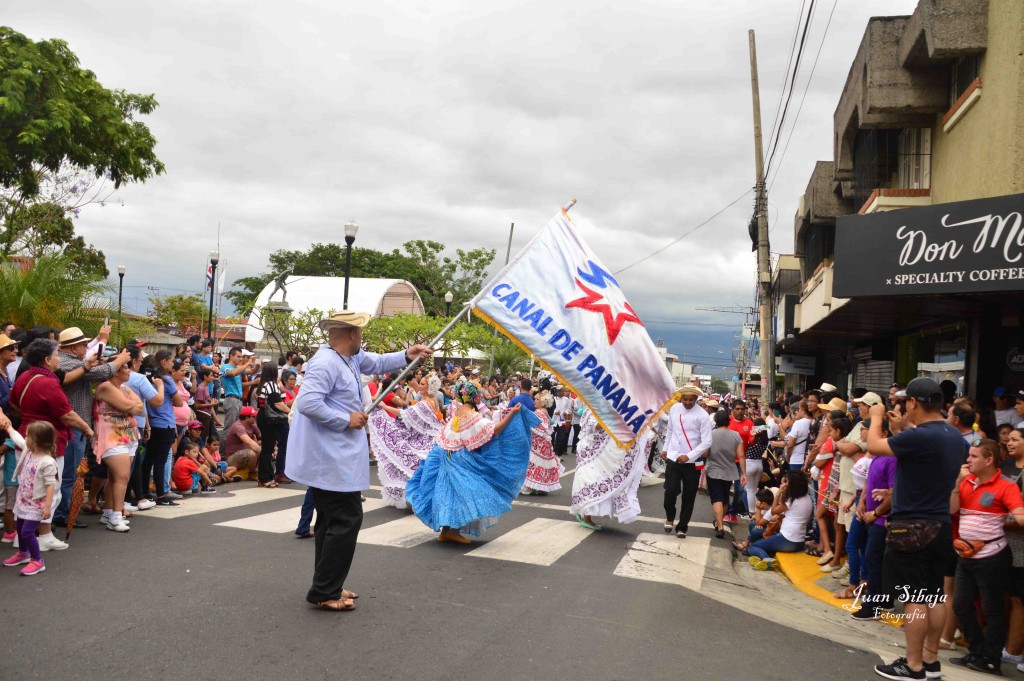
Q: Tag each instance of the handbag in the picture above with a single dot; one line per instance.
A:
(910, 536)
(774, 525)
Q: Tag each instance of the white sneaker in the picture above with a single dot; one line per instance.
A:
(107, 521)
(120, 526)
(1020, 667)
(144, 504)
(1012, 659)
(50, 543)
(131, 508)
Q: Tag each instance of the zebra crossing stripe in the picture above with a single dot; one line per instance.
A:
(278, 522)
(658, 558)
(287, 520)
(403, 533)
(220, 502)
(541, 541)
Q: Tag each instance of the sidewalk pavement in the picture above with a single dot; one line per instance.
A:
(796, 596)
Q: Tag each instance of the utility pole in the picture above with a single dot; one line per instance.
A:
(764, 274)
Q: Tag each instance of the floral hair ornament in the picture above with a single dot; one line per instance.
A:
(468, 393)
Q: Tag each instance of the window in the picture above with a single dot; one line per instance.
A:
(963, 72)
(915, 149)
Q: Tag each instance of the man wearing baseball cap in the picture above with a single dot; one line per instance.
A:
(919, 552)
(1003, 401)
(242, 442)
(328, 449)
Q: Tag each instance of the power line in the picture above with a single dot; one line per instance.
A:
(785, 75)
(792, 83)
(804, 95)
(675, 241)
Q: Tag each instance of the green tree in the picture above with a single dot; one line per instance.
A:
(47, 228)
(44, 295)
(385, 334)
(719, 386)
(63, 137)
(507, 358)
(179, 312)
(293, 331)
(53, 112)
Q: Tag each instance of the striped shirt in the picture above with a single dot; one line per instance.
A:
(983, 511)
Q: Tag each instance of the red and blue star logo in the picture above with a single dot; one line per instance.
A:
(609, 301)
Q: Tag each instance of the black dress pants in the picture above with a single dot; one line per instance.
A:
(339, 515)
(680, 478)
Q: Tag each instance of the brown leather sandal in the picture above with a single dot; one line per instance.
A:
(338, 605)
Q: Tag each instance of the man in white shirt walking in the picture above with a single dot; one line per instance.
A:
(687, 441)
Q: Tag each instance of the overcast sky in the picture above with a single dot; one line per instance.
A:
(450, 120)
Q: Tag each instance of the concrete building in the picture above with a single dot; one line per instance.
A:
(930, 121)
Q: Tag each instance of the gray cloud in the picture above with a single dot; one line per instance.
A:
(452, 119)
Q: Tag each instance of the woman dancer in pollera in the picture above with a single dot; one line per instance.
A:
(607, 477)
(545, 467)
(474, 471)
(401, 443)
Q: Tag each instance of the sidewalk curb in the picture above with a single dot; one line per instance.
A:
(774, 597)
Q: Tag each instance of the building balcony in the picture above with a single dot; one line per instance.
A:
(940, 31)
(816, 301)
(820, 204)
(880, 93)
(883, 199)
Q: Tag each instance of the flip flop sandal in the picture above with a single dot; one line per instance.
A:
(587, 525)
(813, 552)
(346, 594)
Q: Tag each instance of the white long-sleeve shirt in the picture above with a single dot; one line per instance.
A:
(689, 434)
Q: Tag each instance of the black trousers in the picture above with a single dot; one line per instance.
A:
(269, 430)
(575, 435)
(987, 579)
(134, 492)
(684, 478)
(561, 442)
(157, 450)
(339, 515)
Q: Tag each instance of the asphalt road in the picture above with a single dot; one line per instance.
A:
(188, 598)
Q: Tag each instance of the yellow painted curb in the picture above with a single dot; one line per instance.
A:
(803, 572)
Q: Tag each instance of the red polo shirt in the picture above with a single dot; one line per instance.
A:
(745, 428)
(983, 511)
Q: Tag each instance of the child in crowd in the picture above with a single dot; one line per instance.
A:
(188, 475)
(9, 492)
(37, 482)
(1004, 434)
(211, 452)
(764, 499)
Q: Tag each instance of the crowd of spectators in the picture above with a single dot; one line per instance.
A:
(911, 501)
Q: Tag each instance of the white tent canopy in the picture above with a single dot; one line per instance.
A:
(379, 297)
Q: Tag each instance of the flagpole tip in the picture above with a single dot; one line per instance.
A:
(572, 202)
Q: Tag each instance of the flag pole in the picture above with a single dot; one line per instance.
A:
(465, 311)
(409, 368)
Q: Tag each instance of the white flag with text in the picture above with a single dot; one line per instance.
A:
(557, 300)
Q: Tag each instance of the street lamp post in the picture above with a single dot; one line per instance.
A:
(448, 298)
(120, 291)
(120, 288)
(214, 259)
(351, 228)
